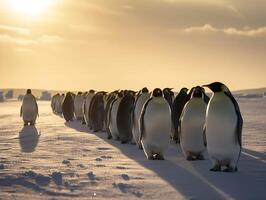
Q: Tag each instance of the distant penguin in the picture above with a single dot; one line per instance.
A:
(113, 116)
(223, 128)
(86, 106)
(155, 126)
(96, 112)
(181, 99)
(29, 109)
(192, 126)
(78, 103)
(111, 98)
(124, 117)
(141, 99)
(68, 107)
(54, 102)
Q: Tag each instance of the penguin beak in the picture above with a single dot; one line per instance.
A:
(205, 86)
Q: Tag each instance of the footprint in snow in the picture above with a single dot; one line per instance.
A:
(125, 177)
(106, 157)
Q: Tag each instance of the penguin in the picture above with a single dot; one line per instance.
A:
(124, 117)
(181, 99)
(113, 116)
(192, 123)
(29, 109)
(96, 112)
(68, 107)
(110, 99)
(86, 106)
(55, 102)
(141, 99)
(168, 95)
(155, 126)
(223, 128)
(78, 103)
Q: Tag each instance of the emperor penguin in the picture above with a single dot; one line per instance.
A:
(223, 128)
(86, 106)
(78, 103)
(155, 126)
(113, 116)
(68, 107)
(192, 123)
(29, 109)
(96, 112)
(141, 99)
(110, 99)
(180, 100)
(124, 117)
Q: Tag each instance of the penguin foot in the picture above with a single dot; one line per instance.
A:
(109, 137)
(190, 158)
(216, 168)
(32, 124)
(123, 142)
(150, 158)
(25, 124)
(200, 157)
(158, 157)
(229, 169)
(83, 123)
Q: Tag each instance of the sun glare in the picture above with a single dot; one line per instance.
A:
(30, 7)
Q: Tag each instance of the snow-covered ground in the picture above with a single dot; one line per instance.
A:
(56, 160)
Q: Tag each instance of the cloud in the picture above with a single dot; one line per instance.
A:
(51, 39)
(127, 7)
(13, 29)
(231, 31)
(6, 39)
(207, 28)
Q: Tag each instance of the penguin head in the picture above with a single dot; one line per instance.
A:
(168, 91)
(28, 91)
(120, 94)
(185, 90)
(79, 93)
(216, 87)
(157, 92)
(197, 92)
(92, 91)
(145, 90)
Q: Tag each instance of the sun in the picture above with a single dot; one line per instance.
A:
(30, 7)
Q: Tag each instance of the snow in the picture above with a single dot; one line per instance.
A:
(58, 160)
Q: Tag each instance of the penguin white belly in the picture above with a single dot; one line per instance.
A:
(113, 125)
(192, 125)
(221, 126)
(29, 111)
(78, 107)
(137, 112)
(157, 128)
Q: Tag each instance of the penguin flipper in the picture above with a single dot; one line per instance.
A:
(239, 117)
(141, 120)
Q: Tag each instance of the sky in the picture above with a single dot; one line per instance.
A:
(119, 44)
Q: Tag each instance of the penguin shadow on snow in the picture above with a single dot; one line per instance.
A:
(248, 183)
(192, 178)
(76, 125)
(28, 139)
(169, 170)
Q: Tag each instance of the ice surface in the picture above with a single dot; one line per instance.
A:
(62, 160)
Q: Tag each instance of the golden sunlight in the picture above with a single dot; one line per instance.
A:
(30, 7)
